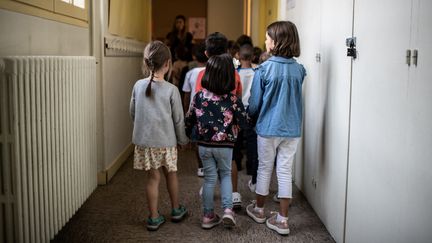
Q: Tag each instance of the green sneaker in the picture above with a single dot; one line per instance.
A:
(154, 224)
(178, 214)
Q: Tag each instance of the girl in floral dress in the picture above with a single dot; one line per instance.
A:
(157, 113)
(217, 116)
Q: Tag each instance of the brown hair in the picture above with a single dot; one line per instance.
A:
(286, 39)
(156, 54)
(216, 44)
(219, 74)
(246, 52)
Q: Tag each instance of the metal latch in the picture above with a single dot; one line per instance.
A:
(351, 44)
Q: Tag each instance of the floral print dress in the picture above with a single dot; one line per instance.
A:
(146, 158)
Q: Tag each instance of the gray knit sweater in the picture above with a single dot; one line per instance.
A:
(158, 119)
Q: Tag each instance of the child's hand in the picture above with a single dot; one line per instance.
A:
(235, 129)
(188, 146)
(182, 147)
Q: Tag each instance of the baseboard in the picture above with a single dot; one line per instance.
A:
(105, 176)
(102, 178)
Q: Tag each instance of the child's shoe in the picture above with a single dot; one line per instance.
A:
(154, 223)
(210, 220)
(200, 172)
(257, 215)
(178, 214)
(276, 199)
(279, 226)
(237, 202)
(229, 218)
(252, 187)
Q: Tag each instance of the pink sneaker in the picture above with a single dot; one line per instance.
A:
(256, 215)
(229, 218)
(210, 220)
(279, 226)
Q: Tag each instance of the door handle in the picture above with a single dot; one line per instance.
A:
(415, 57)
(351, 44)
(408, 57)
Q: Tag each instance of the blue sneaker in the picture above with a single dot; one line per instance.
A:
(154, 224)
(178, 214)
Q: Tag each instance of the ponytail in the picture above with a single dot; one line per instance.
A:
(148, 90)
(155, 56)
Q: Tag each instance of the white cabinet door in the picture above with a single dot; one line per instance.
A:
(307, 17)
(417, 198)
(380, 163)
(323, 151)
(333, 115)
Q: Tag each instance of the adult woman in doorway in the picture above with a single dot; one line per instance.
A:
(180, 38)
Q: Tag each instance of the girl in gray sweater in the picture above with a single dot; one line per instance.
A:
(157, 114)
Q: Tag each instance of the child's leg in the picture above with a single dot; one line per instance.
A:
(235, 167)
(210, 178)
(200, 164)
(223, 157)
(267, 152)
(285, 158)
(172, 186)
(237, 152)
(152, 190)
(234, 176)
(252, 153)
(236, 161)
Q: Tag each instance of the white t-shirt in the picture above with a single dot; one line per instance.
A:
(190, 81)
(246, 78)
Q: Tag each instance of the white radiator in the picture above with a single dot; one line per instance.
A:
(48, 143)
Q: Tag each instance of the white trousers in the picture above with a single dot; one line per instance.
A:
(283, 150)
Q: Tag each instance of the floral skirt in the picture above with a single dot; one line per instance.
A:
(146, 158)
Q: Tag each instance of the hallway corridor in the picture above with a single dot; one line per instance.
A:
(116, 213)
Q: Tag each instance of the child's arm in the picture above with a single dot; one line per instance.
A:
(132, 106)
(191, 118)
(187, 89)
(178, 118)
(257, 90)
(186, 100)
(239, 86)
(240, 114)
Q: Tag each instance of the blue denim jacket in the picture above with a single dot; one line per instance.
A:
(276, 97)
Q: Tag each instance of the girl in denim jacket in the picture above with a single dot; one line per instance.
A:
(216, 115)
(276, 103)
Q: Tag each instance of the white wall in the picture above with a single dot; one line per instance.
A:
(28, 35)
(119, 74)
(255, 22)
(116, 77)
(225, 16)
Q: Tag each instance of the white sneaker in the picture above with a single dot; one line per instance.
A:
(252, 187)
(276, 198)
(236, 198)
(200, 172)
